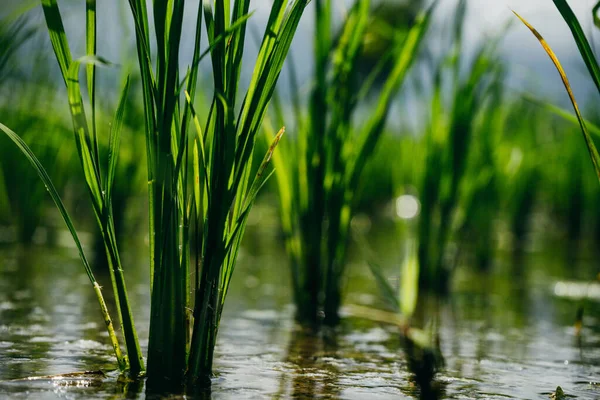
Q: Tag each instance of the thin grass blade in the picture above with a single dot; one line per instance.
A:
(114, 141)
(90, 39)
(588, 140)
(409, 285)
(83, 139)
(564, 114)
(582, 43)
(58, 36)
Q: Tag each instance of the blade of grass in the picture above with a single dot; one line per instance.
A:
(58, 36)
(90, 11)
(114, 141)
(388, 293)
(587, 54)
(593, 66)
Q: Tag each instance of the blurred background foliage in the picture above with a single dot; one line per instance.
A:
(489, 168)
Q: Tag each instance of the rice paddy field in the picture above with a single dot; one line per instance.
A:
(238, 199)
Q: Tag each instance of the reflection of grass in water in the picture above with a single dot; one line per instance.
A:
(411, 309)
(313, 377)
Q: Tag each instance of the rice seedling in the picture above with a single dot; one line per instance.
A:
(477, 220)
(319, 170)
(201, 185)
(449, 139)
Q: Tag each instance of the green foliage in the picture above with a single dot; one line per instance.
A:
(12, 37)
(319, 172)
(215, 197)
(449, 143)
(201, 184)
(41, 171)
(591, 63)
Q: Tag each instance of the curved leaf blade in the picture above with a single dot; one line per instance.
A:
(588, 140)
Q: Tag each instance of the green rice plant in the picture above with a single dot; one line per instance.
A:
(223, 184)
(479, 210)
(519, 171)
(201, 184)
(319, 170)
(449, 140)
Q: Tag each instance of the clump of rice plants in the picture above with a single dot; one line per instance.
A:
(319, 170)
(449, 138)
(201, 185)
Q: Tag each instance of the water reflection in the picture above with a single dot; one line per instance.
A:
(312, 358)
(501, 334)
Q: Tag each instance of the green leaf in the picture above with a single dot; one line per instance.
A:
(202, 155)
(588, 140)
(90, 37)
(58, 36)
(89, 163)
(114, 141)
(582, 43)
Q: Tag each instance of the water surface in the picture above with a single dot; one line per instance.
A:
(501, 337)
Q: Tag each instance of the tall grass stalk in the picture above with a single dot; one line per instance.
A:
(320, 171)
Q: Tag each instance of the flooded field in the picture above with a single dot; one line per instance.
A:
(505, 335)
